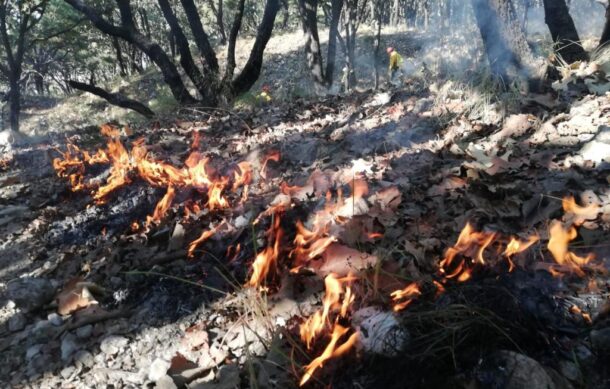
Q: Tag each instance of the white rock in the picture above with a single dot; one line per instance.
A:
(158, 369)
(112, 344)
(83, 358)
(380, 332)
(55, 319)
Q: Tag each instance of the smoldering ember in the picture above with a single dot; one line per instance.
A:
(318, 194)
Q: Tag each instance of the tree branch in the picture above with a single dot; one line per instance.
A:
(114, 98)
(201, 38)
(229, 71)
(252, 69)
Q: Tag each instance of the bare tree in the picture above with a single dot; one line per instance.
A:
(16, 22)
(206, 79)
(505, 44)
(563, 31)
(309, 18)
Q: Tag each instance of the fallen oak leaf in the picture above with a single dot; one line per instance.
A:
(342, 260)
(77, 294)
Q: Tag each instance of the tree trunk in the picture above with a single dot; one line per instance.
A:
(201, 38)
(220, 22)
(128, 33)
(379, 15)
(205, 88)
(606, 33)
(333, 33)
(239, 14)
(504, 41)
(309, 12)
(119, 56)
(14, 101)
(114, 98)
(563, 31)
(252, 69)
(350, 42)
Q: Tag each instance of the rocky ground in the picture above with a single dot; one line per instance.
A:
(89, 301)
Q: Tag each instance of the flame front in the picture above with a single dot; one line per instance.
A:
(470, 244)
(559, 239)
(406, 295)
(266, 260)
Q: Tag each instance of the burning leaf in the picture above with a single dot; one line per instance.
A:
(266, 260)
(342, 260)
(331, 350)
(402, 298)
(334, 289)
(205, 235)
(515, 246)
(272, 156)
(471, 244)
(577, 213)
(558, 246)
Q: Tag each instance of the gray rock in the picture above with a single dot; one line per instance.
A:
(304, 153)
(570, 371)
(113, 344)
(67, 372)
(511, 370)
(84, 332)
(600, 339)
(30, 293)
(598, 149)
(32, 351)
(16, 322)
(55, 319)
(83, 358)
(69, 345)
(165, 382)
(158, 369)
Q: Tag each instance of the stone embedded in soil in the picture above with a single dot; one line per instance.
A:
(165, 382)
(158, 369)
(380, 331)
(600, 339)
(32, 351)
(84, 332)
(83, 358)
(16, 322)
(55, 319)
(113, 344)
(69, 345)
(30, 293)
(511, 370)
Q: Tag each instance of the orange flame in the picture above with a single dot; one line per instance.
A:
(205, 235)
(558, 246)
(272, 156)
(575, 309)
(407, 294)
(162, 207)
(469, 243)
(515, 246)
(266, 260)
(583, 213)
(314, 325)
(331, 350)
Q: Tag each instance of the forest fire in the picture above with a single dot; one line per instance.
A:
(473, 250)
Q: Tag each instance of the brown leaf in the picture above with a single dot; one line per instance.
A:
(341, 260)
(75, 295)
(447, 185)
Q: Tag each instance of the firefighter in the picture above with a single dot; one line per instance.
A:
(396, 62)
(265, 96)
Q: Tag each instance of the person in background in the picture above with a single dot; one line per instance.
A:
(265, 96)
(396, 62)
